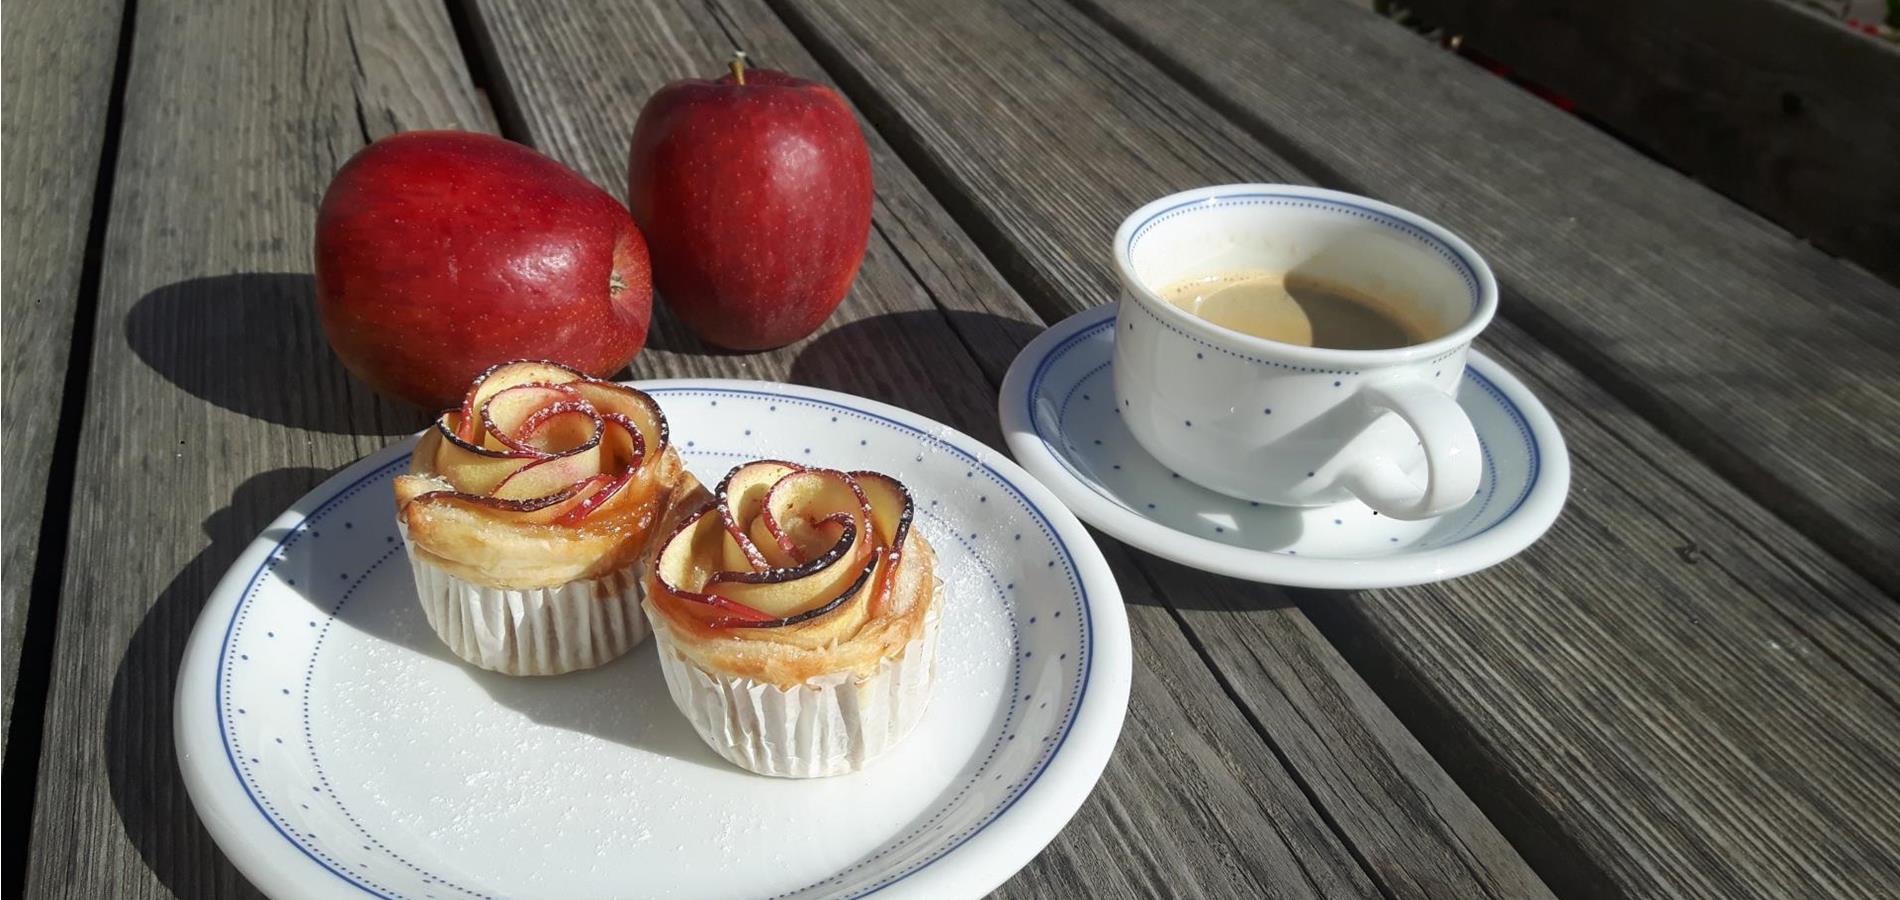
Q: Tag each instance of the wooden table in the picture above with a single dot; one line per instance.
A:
(1688, 688)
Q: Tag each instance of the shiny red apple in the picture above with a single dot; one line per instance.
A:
(442, 253)
(754, 192)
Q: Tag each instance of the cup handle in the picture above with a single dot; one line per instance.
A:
(1451, 454)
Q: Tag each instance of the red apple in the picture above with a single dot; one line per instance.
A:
(442, 253)
(754, 192)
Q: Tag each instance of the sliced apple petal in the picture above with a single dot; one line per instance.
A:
(507, 412)
(422, 459)
(803, 509)
(741, 496)
(682, 572)
(865, 577)
(609, 486)
(503, 376)
(824, 547)
(776, 556)
(464, 429)
(733, 555)
(891, 507)
(718, 612)
(551, 475)
(635, 404)
(537, 511)
(789, 591)
(472, 469)
(623, 445)
(558, 429)
(681, 567)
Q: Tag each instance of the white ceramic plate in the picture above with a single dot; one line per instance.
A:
(335, 749)
(1062, 423)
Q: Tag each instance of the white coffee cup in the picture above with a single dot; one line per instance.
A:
(1288, 424)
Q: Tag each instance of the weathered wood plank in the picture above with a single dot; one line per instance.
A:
(409, 72)
(1194, 802)
(1644, 687)
(58, 61)
(1630, 694)
(1769, 102)
(1766, 357)
(228, 405)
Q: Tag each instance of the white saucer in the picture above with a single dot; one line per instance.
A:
(1060, 418)
(335, 749)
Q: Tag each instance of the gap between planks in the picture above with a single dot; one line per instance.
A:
(1702, 440)
(993, 358)
(27, 720)
(918, 155)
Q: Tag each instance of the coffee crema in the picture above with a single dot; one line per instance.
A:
(1293, 308)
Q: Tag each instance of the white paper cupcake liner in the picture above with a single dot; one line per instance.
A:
(829, 725)
(533, 631)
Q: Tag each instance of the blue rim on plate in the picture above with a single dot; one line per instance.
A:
(1099, 623)
(1036, 414)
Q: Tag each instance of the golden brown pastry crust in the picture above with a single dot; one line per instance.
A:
(872, 627)
(475, 504)
(505, 554)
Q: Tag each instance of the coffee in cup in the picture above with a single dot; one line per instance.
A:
(1300, 346)
(1297, 308)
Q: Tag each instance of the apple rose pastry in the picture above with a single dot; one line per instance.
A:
(795, 612)
(526, 512)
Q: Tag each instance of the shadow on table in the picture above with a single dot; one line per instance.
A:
(141, 759)
(669, 335)
(892, 357)
(251, 343)
(837, 358)
(1188, 588)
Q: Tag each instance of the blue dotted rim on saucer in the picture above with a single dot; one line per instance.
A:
(1464, 544)
(230, 656)
(1471, 514)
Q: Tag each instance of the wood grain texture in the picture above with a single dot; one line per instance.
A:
(58, 61)
(1626, 697)
(1194, 802)
(1669, 662)
(1776, 105)
(1766, 357)
(409, 71)
(213, 399)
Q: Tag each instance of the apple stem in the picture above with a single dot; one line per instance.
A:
(615, 284)
(738, 66)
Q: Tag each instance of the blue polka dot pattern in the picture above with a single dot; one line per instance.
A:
(1100, 454)
(367, 861)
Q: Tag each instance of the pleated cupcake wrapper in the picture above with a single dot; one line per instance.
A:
(533, 631)
(829, 725)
